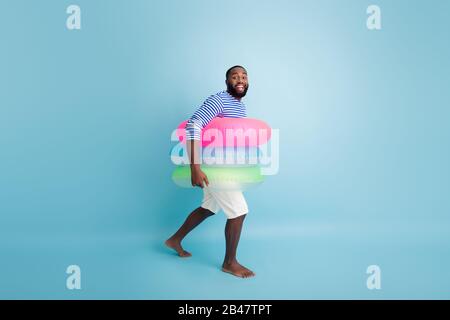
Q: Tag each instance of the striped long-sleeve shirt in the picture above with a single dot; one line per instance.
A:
(221, 104)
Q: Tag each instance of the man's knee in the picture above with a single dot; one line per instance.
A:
(206, 212)
(238, 218)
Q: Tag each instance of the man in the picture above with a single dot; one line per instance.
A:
(223, 104)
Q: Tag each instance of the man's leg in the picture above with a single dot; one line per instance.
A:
(232, 234)
(193, 220)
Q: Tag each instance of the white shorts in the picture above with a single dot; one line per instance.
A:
(232, 203)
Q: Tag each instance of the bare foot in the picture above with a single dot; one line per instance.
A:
(176, 245)
(237, 270)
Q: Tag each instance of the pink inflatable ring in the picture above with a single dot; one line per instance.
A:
(229, 132)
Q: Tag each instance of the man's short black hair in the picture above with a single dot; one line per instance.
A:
(229, 70)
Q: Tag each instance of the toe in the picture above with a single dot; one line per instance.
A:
(185, 254)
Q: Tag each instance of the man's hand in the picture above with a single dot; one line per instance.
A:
(198, 177)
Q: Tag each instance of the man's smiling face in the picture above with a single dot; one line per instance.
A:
(237, 82)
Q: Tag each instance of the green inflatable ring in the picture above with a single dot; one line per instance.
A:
(221, 178)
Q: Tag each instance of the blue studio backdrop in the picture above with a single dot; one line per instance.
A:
(86, 115)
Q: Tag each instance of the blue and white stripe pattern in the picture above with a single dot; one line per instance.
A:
(222, 105)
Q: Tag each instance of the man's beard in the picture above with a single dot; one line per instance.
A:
(236, 94)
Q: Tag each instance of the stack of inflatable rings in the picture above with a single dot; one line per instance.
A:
(239, 175)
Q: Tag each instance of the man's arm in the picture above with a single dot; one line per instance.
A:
(208, 111)
(198, 177)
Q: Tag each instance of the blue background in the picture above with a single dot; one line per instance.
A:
(85, 123)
